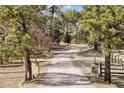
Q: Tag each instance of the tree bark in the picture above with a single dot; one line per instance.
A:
(107, 76)
(27, 62)
(95, 46)
(51, 23)
(28, 65)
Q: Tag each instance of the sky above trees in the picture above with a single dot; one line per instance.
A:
(76, 7)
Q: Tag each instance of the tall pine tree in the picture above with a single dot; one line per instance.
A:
(105, 23)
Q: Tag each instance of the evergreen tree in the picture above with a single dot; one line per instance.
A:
(105, 23)
(71, 23)
(19, 39)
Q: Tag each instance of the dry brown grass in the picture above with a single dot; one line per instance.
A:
(11, 76)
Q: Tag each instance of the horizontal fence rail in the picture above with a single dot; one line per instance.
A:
(117, 59)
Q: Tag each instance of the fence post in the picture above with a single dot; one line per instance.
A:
(112, 57)
(94, 70)
(122, 63)
(100, 70)
(118, 60)
(115, 59)
(38, 65)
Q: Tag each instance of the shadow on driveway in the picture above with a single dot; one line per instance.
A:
(61, 79)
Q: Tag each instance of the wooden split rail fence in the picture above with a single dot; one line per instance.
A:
(116, 58)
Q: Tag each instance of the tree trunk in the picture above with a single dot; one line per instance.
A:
(51, 24)
(27, 62)
(95, 45)
(107, 76)
(28, 65)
